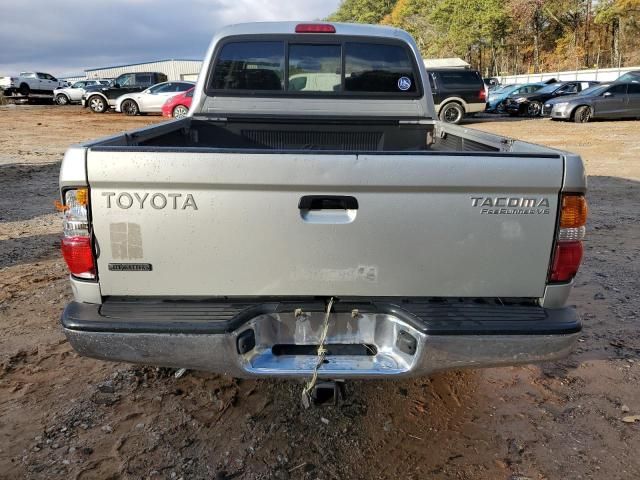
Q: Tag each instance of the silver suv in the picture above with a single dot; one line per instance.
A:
(73, 93)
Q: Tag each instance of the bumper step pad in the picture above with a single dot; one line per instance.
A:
(429, 316)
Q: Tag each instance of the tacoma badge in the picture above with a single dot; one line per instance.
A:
(511, 205)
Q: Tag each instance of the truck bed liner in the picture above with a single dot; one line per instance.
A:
(303, 134)
(329, 135)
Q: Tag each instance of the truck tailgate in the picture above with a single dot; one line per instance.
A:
(200, 223)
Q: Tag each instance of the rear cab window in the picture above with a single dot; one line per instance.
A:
(378, 68)
(314, 68)
(249, 66)
(327, 67)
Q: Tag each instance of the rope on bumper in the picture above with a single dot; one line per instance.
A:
(322, 352)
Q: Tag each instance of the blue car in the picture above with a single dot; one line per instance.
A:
(500, 94)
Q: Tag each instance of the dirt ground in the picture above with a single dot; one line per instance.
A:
(63, 416)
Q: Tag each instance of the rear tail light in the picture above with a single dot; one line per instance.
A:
(76, 241)
(315, 28)
(568, 251)
(78, 254)
(566, 261)
(483, 94)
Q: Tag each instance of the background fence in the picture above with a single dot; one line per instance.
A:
(599, 74)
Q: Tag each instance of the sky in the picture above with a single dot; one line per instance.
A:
(63, 37)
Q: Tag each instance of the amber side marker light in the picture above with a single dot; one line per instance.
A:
(568, 251)
(573, 211)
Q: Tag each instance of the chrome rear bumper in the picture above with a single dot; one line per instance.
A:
(370, 340)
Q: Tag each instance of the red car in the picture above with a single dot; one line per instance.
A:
(178, 105)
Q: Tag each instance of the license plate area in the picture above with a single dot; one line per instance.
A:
(363, 344)
(332, 349)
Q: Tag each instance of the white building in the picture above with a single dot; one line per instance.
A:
(452, 62)
(173, 69)
(73, 78)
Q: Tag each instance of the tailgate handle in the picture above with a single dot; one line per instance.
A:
(328, 202)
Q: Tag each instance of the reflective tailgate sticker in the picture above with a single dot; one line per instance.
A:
(126, 240)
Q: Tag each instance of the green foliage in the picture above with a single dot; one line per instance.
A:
(462, 25)
(512, 36)
(608, 11)
(362, 11)
(413, 16)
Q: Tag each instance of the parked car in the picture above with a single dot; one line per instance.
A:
(495, 101)
(150, 100)
(178, 106)
(30, 82)
(278, 233)
(531, 103)
(611, 100)
(99, 99)
(457, 92)
(73, 93)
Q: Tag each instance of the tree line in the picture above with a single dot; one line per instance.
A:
(501, 37)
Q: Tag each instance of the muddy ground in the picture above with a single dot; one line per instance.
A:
(63, 416)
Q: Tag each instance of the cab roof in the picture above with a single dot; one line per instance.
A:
(283, 28)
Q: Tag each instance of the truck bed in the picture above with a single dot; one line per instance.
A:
(354, 135)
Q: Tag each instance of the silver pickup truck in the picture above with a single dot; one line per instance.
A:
(312, 205)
